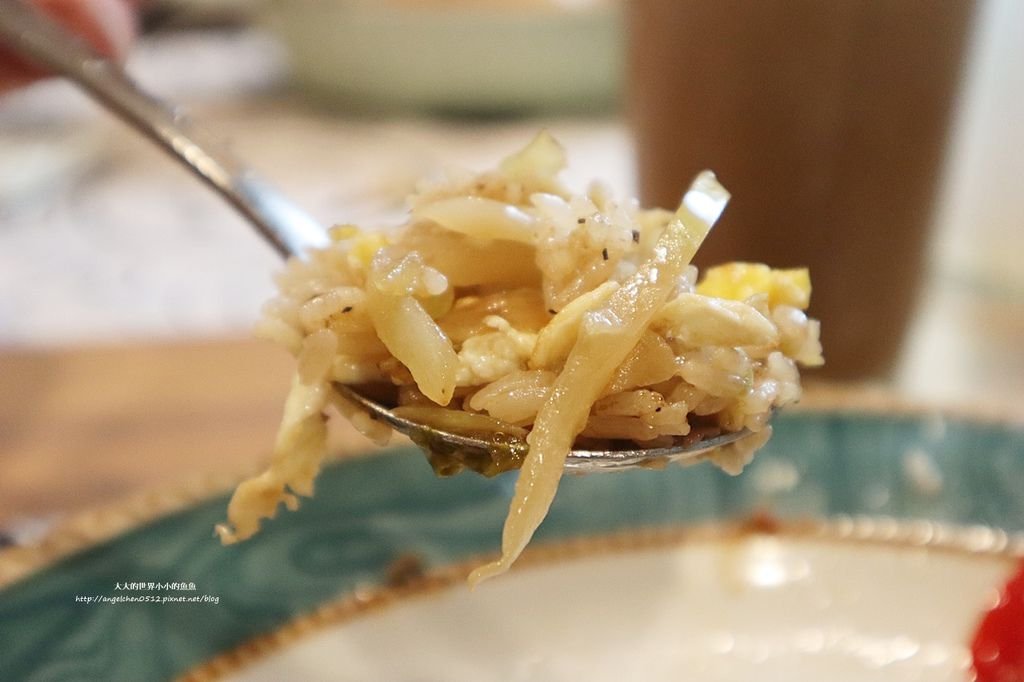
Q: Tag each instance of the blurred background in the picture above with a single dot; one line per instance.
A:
(127, 290)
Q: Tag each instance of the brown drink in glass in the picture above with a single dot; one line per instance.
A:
(828, 122)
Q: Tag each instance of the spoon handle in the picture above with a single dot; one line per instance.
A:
(41, 41)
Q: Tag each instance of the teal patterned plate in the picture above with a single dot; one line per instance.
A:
(165, 600)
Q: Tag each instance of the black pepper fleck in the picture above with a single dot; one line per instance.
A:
(581, 220)
(347, 309)
(657, 409)
(552, 311)
(604, 254)
(636, 236)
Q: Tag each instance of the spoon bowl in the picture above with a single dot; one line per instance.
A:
(493, 453)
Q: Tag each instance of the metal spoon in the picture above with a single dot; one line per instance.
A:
(289, 229)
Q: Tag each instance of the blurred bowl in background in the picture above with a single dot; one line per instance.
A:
(485, 57)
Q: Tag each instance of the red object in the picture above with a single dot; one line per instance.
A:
(998, 646)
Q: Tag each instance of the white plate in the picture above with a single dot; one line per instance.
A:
(763, 607)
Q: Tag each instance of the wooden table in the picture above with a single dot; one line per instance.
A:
(85, 426)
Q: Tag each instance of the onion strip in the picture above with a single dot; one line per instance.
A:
(607, 336)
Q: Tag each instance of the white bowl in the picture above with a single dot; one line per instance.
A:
(503, 59)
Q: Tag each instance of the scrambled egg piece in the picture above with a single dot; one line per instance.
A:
(740, 281)
(488, 357)
(364, 245)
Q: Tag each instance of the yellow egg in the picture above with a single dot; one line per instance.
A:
(740, 281)
(364, 247)
(340, 233)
